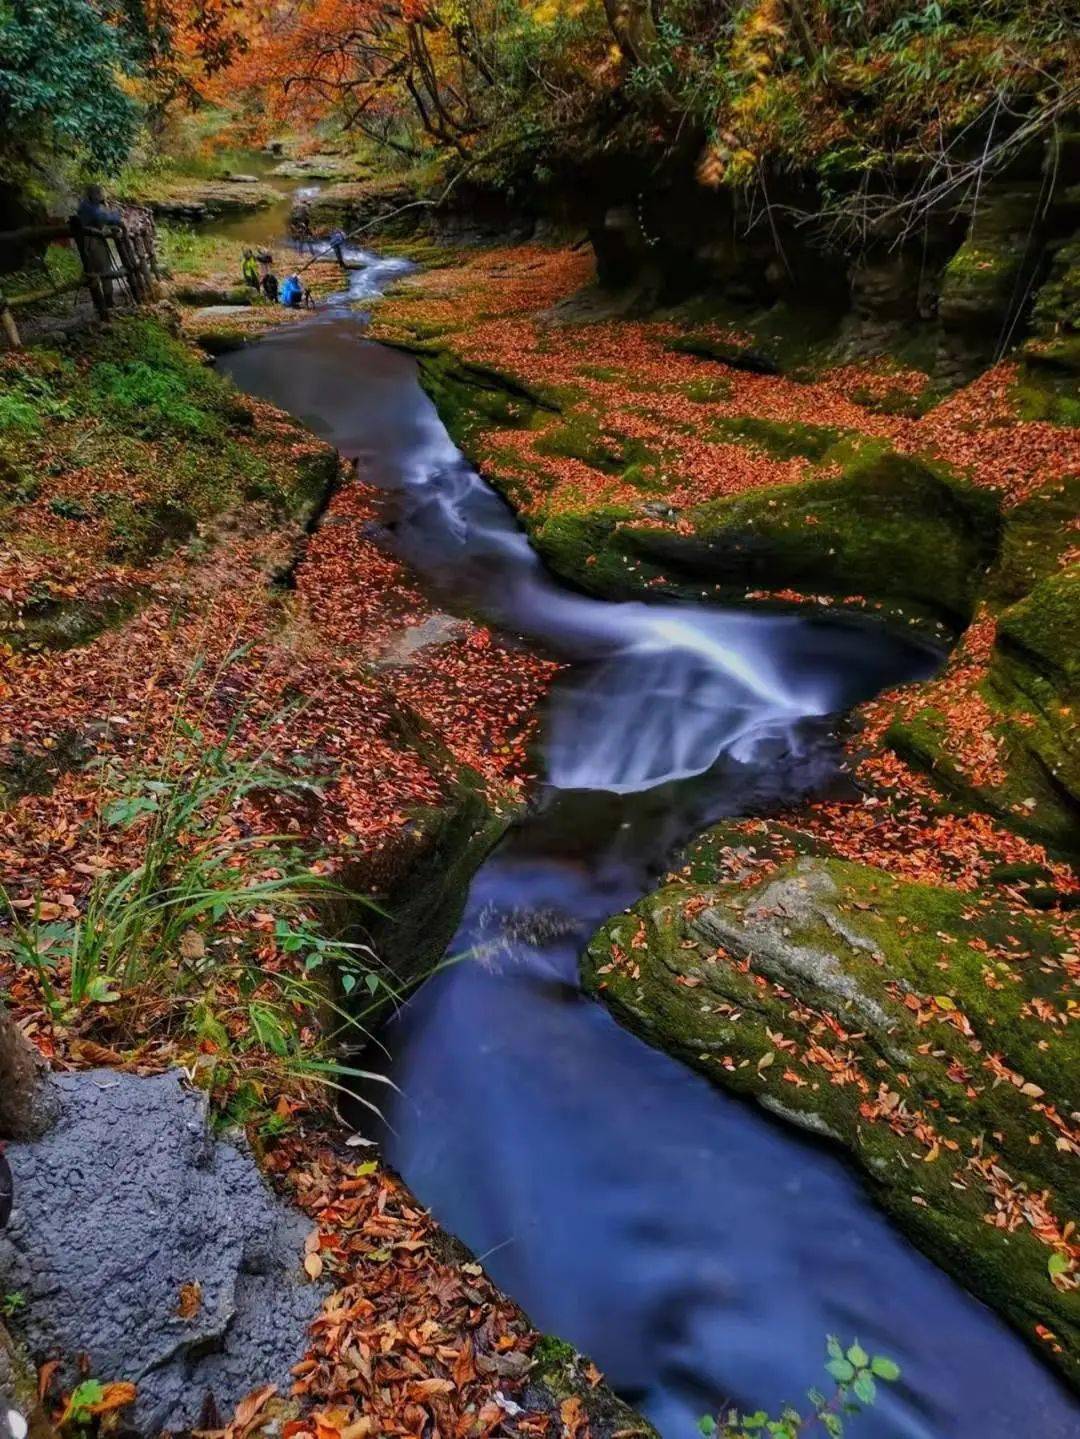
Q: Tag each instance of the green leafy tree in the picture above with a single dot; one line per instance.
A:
(61, 68)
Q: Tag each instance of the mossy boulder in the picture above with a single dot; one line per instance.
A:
(1035, 673)
(928, 1032)
(220, 341)
(1057, 305)
(205, 296)
(740, 356)
(979, 284)
(887, 526)
(1029, 696)
(1042, 628)
(1035, 536)
(987, 284)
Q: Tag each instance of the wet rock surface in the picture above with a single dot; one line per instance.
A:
(141, 1241)
(194, 201)
(919, 1027)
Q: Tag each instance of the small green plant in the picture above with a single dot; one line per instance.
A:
(154, 402)
(855, 1374)
(84, 1397)
(17, 413)
(275, 1125)
(12, 1302)
(27, 399)
(173, 935)
(68, 509)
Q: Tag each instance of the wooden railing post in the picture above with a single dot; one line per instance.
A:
(128, 260)
(144, 249)
(151, 248)
(7, 323)
(135, 263)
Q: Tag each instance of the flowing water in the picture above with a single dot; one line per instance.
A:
(696, 1249)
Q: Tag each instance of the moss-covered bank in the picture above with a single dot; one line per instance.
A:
(870, 990)
(117, 449)
(866, 522)
(882, 525)
(928, 1032)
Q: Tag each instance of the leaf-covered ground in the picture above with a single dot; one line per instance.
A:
(120, 635)
(142, 531)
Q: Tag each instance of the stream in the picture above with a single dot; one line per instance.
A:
(696, 1249)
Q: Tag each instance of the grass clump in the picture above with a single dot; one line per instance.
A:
(203, 928)
(153, 402)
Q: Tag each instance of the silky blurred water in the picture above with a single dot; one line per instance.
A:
(696, 1249)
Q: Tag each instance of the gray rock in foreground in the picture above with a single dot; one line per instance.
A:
(124, 1203)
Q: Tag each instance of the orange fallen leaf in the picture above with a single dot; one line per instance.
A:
(574, 1419)
(248, 1409)
(117, 1395)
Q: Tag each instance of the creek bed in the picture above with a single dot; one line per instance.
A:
(696, 1249)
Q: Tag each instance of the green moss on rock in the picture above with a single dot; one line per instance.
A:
(1036, 533)
(1029, 693)
(1042, 629)
(888, 527)
(728, 352)
(1034, 679)
(1057, 305)
(783, 440)
(866, 1010)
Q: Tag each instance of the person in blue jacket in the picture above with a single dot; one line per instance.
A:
(292, 292)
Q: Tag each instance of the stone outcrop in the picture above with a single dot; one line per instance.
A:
(194, 201)
(141, 1241)
(858, 1007)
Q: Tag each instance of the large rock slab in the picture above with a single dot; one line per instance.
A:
(194, 201)
(928, 1031)
(141, 1241)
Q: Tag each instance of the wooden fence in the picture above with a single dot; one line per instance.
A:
(123, 255)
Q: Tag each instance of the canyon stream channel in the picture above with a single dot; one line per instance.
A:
(697, 1249)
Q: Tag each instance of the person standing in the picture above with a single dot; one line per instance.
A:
(250, 270)
(337, 244)
(302, 224)
(94, 216)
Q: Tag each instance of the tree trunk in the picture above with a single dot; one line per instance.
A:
(28, 1102)
(633, 26)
